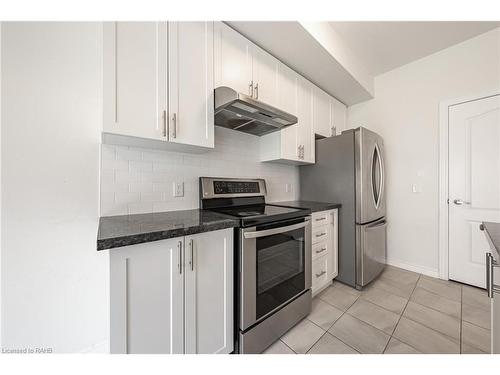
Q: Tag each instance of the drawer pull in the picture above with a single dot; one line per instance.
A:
(321, 218)
(320, 251)
(320, 235)
(320, 274)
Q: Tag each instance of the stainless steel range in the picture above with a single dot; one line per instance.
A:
(273, 260)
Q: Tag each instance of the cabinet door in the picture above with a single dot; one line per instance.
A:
(133, 73)
(265, 76)
(333, 269)
(287, 92)
(339, 115)
(287, 89)
(305, 116)
(233, 61)
(321, 110)
(191, 83)
(209, 292)
(146, 292)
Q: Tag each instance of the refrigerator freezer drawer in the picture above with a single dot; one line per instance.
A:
(371, 241)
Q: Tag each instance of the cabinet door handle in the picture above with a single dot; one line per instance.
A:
(256, 91)
(191, 247)
(321, 234)
(165, 123)
(320, 274)
(250, 89)
(179, 250)
(320, 251)
(174, 125)
(321, 218)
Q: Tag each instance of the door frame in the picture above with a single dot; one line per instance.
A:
(444, 176)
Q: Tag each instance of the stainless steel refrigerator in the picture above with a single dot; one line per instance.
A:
(350, 170)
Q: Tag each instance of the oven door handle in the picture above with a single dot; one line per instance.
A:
(269, 232)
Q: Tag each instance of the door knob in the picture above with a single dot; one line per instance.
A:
(459, 202)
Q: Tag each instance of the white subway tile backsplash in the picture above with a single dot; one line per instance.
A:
(141, 187)
(141, 166)
(156, 196)
(127, 176)
(128, 154)
(125, 198)
(108, 152)
(114, 165)
(141, 180)
(140, 208)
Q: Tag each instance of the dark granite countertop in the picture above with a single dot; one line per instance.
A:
(308, 205)
(117, 231)
(493, 232)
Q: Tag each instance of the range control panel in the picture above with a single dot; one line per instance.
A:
(236, 187)
(221, 187)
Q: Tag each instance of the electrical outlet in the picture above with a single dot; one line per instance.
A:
(178, 189)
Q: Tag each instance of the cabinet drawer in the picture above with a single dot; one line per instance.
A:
(319, 272)
(321, 218)
(319, 234)
(320, 249)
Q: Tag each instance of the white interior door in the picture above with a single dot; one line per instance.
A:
(474, 185)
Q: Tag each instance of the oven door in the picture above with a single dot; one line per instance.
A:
(275, 267)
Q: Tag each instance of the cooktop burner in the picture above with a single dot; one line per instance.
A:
(253, 215)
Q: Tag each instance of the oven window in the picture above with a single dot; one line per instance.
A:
(280, 269)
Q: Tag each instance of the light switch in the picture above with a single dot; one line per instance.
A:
(416, 188)
(288, 188)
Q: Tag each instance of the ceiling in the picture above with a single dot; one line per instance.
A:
(383, 46)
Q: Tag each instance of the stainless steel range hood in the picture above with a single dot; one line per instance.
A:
(241, 112)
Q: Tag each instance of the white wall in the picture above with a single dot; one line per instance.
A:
(405, 112)
(137, 180)
(54, 292)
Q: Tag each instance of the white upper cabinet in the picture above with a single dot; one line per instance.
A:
(191, 83)
(264, 76)
(159, 87)
(287, 89)
(294, 144)
(305, 115)
(322, 123)
(329, 114)
(233, 60)
(133, 95)
(244, 67)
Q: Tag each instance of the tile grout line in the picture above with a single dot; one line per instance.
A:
(338, 338)
(284, 343)
(336, 320)
(402, 312)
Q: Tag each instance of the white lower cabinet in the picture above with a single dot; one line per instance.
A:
(324, 249)
(174, 295)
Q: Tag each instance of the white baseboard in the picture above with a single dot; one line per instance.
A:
(101, 347)
(432, 272)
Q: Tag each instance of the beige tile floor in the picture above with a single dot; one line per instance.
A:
(400, 312)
